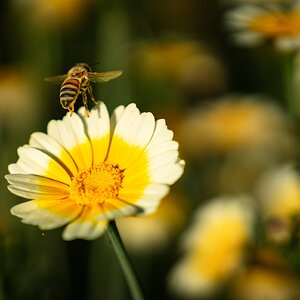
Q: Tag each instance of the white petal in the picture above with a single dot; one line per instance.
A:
(30, 194)
(287, 44)
(116, 117)
(47, 143)
(165, 166)
(36, 162)
(237, 21)
(161, 148)
(115, 208)
(32, 187)
(248, 38)
(135, 128)
(35, 180)
(166, 158)
(84, 228)
(70, 133)
(152, 197)
(16, 169)
(97, 127)
(145, 130)
(241, 16)
(124, 115)
(32, 214)
(168, 174)
(161, 134)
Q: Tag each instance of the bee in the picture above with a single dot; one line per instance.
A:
(78, 81)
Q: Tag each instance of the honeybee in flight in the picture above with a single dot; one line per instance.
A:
(78, 81)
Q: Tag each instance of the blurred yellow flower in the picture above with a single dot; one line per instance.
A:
(87, 171)
(253, 24)
(235, 123)
(279, 192)
(191, 65)
(18, 103)
(214, 246)
(154, 232)
(55, 12)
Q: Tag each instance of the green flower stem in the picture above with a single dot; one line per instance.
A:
(126, 266)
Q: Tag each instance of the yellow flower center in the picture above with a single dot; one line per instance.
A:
(277, 24)
(96, 184)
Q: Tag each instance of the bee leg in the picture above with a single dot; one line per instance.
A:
(90, 91)
(84, 99)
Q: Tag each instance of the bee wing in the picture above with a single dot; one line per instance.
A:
(104, 76)
(56, 79)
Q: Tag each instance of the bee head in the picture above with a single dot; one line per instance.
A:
(85, 66)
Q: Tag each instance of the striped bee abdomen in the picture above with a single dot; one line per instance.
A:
(69, 91)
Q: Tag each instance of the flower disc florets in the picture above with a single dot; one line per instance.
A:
(96, 184)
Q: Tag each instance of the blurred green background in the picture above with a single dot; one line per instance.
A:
(225, 104)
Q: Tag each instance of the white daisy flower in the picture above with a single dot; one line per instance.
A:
(253, 24)
(87, 171)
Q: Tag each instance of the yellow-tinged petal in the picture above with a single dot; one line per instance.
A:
(47, 214)
(135, 164)
(115, 208)
(115, 117)
(70, 133)
(34, 186)
(85, 227)
(98, 130)
(63, 208)
(127, 155)
(37, 162)
(46, 143)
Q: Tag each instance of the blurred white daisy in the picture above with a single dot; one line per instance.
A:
(87, 171)
(253, 24)
(54, 12)
(214, 246)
